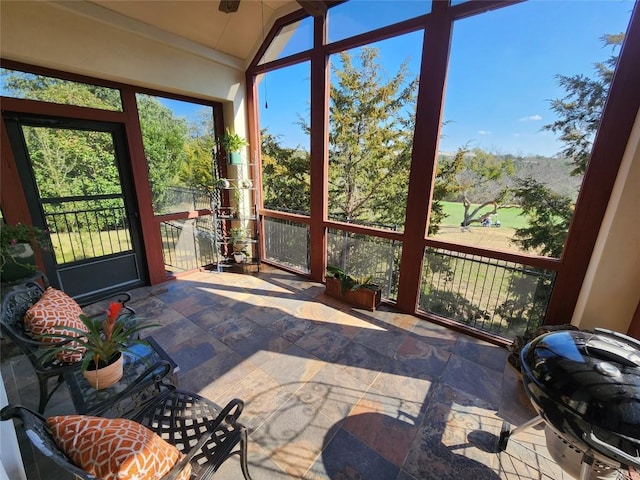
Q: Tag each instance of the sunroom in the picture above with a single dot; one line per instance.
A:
(478, 160)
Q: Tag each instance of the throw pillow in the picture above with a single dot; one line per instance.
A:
(115, 449)
(55, 312)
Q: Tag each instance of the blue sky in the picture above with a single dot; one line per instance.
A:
(501, 69)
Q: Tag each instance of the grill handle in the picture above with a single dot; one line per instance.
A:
(619, 336)
(614, 452)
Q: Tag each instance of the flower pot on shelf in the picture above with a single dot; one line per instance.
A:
(235, 158)
(20, 262)
(362, 297)
(105, 377)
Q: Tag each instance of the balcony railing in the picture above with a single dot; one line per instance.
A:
(496, 296)
(287, 243)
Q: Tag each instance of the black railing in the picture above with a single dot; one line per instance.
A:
(88, 228)
(364, 255)
(500, 297)
(188, 244)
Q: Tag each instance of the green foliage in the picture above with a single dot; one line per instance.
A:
(286, 183)
(580, 110)
(232, 142)
(100, 348)
(164, 138)
(350, 282)
(370, 140)
(549, 216)
(200, 148)
(19, 233)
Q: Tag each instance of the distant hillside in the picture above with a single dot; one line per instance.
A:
(552, 172)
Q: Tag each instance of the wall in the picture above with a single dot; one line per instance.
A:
(610, 291)
(61, 36)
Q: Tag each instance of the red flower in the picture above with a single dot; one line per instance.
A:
(113, 312)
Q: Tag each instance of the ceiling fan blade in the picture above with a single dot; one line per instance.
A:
(229, 6)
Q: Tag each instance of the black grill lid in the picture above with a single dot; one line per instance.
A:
(587, 380)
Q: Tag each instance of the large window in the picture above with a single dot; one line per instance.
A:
(461, 212)
(180, 147)
(284, 127)
(372, 114)
(31, 86)
(516, 134)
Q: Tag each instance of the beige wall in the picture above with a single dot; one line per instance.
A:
(611, 289)
(66, 37)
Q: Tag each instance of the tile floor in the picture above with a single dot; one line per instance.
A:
(331, 392)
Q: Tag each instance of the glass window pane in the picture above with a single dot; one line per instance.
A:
(371, 121)
(179, 144)
(516, 134)
(366, 256)
(360, 16)
(30, 86)
(293, 38)
(284, 97)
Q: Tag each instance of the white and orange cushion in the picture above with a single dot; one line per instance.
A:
(55, 312)
(115, 449)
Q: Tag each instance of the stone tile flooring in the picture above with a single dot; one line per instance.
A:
(331, 392)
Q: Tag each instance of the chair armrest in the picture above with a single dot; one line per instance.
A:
(122, 297)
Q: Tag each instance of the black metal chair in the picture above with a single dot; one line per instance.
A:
(16, 300)
(205, 433)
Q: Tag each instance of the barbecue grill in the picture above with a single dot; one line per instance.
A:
(585, 387)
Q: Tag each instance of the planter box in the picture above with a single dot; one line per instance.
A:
(363, 297)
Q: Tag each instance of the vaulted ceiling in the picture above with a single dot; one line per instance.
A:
(236, 34)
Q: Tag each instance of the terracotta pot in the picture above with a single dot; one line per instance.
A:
(19, 263)
(106, 376)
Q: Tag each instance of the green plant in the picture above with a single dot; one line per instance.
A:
(232, 142)
(350, 282)
(11, 235)
(104, 338)
(238, 237)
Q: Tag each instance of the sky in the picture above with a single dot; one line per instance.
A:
(501, 74)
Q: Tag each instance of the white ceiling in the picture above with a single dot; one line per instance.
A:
(236, 34)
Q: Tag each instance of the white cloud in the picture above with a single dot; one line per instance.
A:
(484, 132)
(531, 118)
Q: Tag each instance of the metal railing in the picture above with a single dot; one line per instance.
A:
(188, 244)
(83, 228)
(365, 255)
(496, 296)
(287, 243)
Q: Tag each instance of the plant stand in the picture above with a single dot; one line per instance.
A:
(362, 297)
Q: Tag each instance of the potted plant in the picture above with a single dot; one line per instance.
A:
(232, 144)
(17, 259)
(238, 238)
(222, 183)
(361, 292)
(103, 343)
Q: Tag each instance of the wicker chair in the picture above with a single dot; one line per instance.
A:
(206, 434)
(16, 301)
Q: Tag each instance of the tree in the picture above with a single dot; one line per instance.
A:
(286, 176)
(370, 140)
(579, 113)
(549, 217)
(476, 179)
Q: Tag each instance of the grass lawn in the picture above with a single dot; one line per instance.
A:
(509, 217)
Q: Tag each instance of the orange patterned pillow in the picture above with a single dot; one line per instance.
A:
(51, 314)
(115, 449)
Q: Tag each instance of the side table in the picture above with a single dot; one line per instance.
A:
(142, 367)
